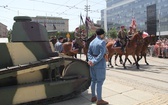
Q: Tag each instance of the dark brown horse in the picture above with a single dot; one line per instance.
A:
(151, 39)
(86, 45)
(68, 48)
(132, 48)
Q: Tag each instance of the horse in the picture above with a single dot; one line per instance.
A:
(114, 51)
(131, 49)
(151, 39)
(86, 45)
(143, 47)
(134, 47)
(111, 51)
(81, 41)
(68, 47)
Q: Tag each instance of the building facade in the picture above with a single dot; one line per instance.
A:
(150, 15)
(53, 23)
(3, 31)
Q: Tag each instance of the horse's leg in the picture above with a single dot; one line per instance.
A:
(126, 57)
(75, 56)
(135, 61)
(86, 58)
(141, 56)
(145, 59)
(110, 61)
(129, 61)
(121, 61)
(116, 59)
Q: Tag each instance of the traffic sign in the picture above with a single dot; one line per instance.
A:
(68, 35)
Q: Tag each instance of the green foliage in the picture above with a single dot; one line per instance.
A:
(112, 33)
(58, 34)
(91, 33)
(125, 30)
(9, 35)
(82, 26)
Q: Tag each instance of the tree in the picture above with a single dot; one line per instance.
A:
(9, 35)
(112, 33)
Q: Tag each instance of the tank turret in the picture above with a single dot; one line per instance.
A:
(31, 71)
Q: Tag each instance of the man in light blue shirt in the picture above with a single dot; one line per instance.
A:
(58, 45)
(97, 62)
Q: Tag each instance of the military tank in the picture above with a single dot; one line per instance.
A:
(30, 70)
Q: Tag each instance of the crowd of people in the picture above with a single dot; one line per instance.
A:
(160, 49)
(58, 44)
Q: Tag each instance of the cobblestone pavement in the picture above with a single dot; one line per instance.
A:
(158, 100)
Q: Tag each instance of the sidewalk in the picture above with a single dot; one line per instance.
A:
(117, 93)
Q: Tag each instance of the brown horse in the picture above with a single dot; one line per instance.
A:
(151, 39)
(68, 47)
(114, 51)
(132, 48)
(111, 51)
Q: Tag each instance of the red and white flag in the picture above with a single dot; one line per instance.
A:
(133, 23)
(88, 23)
(145, 34)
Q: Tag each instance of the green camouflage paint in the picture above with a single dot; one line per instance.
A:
(31, 71)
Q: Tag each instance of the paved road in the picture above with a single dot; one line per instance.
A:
(146, 86)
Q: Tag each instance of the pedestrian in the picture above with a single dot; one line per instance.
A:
(97, 62)
(58, 45)
(53, 40)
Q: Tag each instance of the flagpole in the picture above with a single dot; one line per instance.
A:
(80, 33)
(87, 9)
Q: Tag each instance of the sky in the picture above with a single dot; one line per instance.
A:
(68, 9)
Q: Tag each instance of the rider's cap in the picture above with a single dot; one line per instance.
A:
(100, 31)
(122, 26)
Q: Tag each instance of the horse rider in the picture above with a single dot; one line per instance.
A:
(122, 35)
(130, 32)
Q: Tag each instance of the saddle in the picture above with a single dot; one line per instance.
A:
(117, 44)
